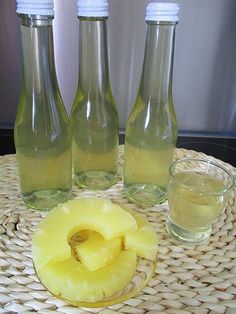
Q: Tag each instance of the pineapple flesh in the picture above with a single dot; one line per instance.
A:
(100, 266)
(97, 214)
(71, 280)
(143, 240)
(96, 252)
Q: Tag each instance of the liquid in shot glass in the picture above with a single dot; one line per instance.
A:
(197, 193)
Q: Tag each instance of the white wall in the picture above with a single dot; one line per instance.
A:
(204, 85)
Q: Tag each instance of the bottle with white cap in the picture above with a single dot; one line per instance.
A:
(42, 128)
(151, 129)
(94, 114)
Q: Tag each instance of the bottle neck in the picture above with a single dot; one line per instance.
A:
(38, 53)
(156, 80)
(93, 55)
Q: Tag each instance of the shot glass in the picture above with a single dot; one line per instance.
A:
(197, 193)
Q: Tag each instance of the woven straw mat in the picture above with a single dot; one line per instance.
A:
(188, 279)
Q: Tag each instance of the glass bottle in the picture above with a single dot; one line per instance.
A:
(94, 115)
(42, 129)
(151, 129)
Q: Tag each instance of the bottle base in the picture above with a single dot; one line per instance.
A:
(145, 194)
(186, 236)
(96, 180)
(45, 199)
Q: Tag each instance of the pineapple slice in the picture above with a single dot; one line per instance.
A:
(144, 240)
(73, 281)
(96, 252)
(50, 240)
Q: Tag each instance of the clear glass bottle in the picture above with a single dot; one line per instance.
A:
(94, 115)
(42, 129)
(151, 130)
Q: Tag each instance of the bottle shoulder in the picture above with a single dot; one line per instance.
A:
(41, 122)
(94, 104)
(95, 96)
(35, 104)
(151, 122)
(151, 112)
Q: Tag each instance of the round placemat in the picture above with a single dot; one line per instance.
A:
(188, 279)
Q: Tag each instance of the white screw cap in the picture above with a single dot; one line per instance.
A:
(35, 7)
(162, 11)
(92, 8)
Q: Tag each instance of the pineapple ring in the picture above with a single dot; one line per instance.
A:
(72, 281)
(101, 223)
(69, 218)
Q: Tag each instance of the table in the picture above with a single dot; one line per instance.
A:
(188, 279)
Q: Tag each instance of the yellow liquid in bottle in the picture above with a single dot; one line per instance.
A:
(95, 141)
(147, 171)
(42, 132)
(96, 170)
(94, 116)
(45, 179)
(149, 149)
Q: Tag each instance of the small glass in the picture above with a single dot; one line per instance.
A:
(197, 193)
